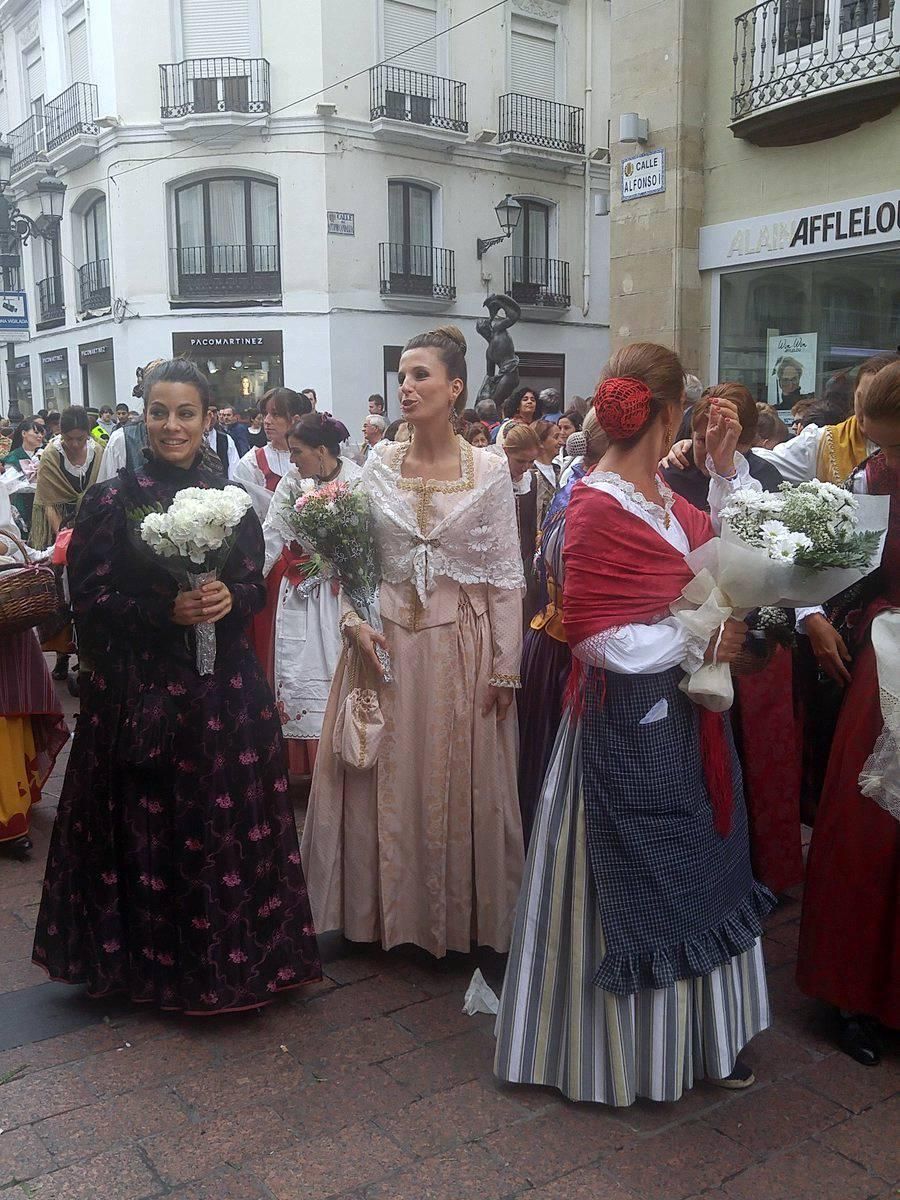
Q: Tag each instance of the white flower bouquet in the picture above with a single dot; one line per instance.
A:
(193, 538)
(797, 547)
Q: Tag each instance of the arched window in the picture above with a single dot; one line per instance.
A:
(411, 237)
(531, 276)
(227, 241)
(93, 277)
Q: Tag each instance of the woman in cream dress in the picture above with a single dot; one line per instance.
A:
(426, 846)
(306, 636)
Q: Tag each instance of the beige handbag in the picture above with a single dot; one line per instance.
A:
(360, 725)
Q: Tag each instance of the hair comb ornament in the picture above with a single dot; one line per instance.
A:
(622, 406)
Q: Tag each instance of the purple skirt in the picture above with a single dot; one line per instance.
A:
(546, 664)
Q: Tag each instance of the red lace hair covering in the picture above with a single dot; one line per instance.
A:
(623, 407)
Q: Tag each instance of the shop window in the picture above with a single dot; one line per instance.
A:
(826, 315)
(227, 240)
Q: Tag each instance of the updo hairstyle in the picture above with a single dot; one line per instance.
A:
(518, 437)
(74, 418)
(317, 429)
(637, 384)
(450, 344)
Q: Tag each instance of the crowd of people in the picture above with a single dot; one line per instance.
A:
(538, 782)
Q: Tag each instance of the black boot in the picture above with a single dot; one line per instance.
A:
(858, 1037)
(18, 848)
(61, 670)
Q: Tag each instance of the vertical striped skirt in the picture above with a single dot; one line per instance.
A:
(555, 1028)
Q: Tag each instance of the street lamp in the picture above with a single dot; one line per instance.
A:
(509, 212)
(16, 229)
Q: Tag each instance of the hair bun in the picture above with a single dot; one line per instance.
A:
(453, 334)
(623, 405)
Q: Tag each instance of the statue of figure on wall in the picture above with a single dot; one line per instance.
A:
(502, 374)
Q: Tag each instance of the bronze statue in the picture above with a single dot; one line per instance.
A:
(502, 375)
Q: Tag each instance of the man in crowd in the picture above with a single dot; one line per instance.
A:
(376, 405)
(221, 443)
(550, 404)
(486, 412)
(106, 423)
(373, 431)
(231, 423)
(123, 415)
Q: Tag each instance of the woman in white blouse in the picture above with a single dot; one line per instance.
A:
(262, 468)
(636, 963)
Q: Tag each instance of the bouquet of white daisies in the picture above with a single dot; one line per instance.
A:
(797, 547)
(193, 538)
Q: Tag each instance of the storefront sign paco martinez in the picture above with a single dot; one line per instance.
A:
(848, 224)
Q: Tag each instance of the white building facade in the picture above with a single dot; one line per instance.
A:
(245, 184)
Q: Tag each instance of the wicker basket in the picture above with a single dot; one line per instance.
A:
(750, 661)
(28, 594)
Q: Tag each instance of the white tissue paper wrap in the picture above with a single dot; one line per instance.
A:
(480, 997)
(880, 777)
(731, 578)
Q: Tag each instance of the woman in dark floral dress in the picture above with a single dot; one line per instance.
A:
(174, 871)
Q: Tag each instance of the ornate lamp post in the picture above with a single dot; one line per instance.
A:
(16, 229)
(509, 212)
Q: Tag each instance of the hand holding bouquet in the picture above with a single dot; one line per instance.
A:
(334, 522)
(797, 547)
(193, 538)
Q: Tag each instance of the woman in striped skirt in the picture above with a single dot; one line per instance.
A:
(636, 964)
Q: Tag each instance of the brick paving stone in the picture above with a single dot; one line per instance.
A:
(355, 968)
(15, 946)
(441, 1017)
(238, 1185)
(117, 1175)
(772, 1055)
(369, 998)
(443, 1065)
(54, 1052)
(465, 1113)
(651, 1116)
(145, 1063)
(871, 1139)
(848, 1083)
(331, 1165)
(21, 974)
(86, 1131)
(470, 1172)
(807, 1171)
(587, 1183)
(195, 1151)
(787, 933)
(677, 1163)
(777, 953)
(437, 980)
(342, 1095)
(42, 1095)
(230, 1086)
(557, 1141)
(365, 1042)
(768, 1118)
(22, 1155)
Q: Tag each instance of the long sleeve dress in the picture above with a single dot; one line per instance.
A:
(174, 871)
(849, 952)
(306, 634)
(259, 472)
(636, 964)
(426, 846)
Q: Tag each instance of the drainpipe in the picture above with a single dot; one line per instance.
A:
(588, 106)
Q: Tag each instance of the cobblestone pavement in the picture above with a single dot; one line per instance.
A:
(374, 1086)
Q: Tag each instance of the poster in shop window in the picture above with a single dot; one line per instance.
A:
(791, 369)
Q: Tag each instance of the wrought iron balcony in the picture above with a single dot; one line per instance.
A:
(417, 98)
(51, 302)
(542, 282)
(216, 272)
(93, 286)
(214, 85)
(427, 272)
(541, 123)
(793, 58)
(27, 141)
(74, 111)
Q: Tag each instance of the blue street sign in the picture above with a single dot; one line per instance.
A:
(13, 312)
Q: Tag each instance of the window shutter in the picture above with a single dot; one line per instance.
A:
(533, 59)
(407, 23)
(79, 66)
(215, 28)
(34, 72)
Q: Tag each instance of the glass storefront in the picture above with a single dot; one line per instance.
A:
(20, 380)
(240, 367)
(785, 330)
(55, 380)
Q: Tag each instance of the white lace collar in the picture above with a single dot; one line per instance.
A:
(659, 512)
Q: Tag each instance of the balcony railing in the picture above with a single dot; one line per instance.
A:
(74, 111)
(424, 271)
(543, 282)
(51, 304)
(228, 272)
(214, 85)
(541, 123)
(788, 50)
(413, 96)
(27, 141)
(93, 286)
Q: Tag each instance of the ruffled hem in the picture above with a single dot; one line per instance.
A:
(623, 974)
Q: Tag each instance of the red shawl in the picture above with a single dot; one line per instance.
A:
(619, 571)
